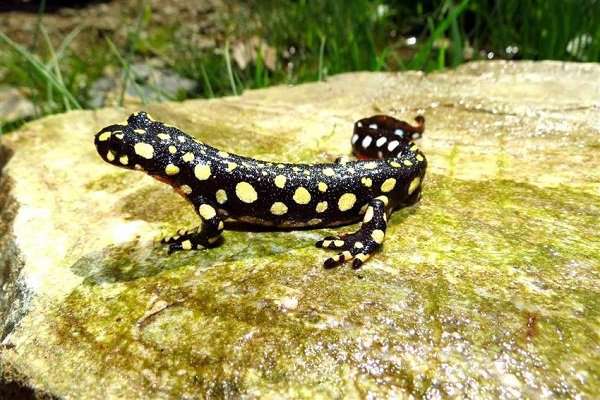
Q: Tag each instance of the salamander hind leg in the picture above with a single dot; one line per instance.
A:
(359, 246)
(206, 235)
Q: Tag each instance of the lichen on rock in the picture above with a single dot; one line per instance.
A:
(487, 288)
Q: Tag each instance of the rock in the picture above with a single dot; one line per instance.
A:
(14, 105)
(149, 82)
(490, 287)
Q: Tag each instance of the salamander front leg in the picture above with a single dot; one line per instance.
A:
(362, 243)
(206, 235)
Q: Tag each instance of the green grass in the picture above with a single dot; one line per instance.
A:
(312, 40)
(48, 74)
(540, 29)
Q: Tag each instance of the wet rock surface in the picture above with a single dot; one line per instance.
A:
(489, 288)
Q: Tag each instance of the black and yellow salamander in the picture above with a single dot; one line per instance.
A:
(387, 175)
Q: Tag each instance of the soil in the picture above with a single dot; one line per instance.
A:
(201, 19)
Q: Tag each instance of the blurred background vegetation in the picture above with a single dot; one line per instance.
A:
(63, 55)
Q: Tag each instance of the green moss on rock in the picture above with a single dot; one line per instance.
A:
(478, 275)
(490, 287)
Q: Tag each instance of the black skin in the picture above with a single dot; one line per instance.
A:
(387, 176)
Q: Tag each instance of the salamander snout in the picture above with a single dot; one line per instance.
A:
(113, 147)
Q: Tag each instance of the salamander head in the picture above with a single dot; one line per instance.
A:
(141, 144)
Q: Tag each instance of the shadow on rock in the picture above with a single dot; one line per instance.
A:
(127, 262)
(133, 260)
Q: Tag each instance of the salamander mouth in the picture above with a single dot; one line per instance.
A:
(102, 147)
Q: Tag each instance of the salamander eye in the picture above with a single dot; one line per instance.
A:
(139, 120)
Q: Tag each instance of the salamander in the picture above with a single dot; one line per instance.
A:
(387, 174)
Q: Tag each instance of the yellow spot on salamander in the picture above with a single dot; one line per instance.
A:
(119, 136)
(172, 149)
(185, 189)
(246, 192)
(314, 221)
(383, 199)
(144, 150)
(139, 131)
(406, 162)
(419, 157)
(186, 245)
(163, 136)
(223, 154)
(206, 211)
(366, 181)
(368, 215)
(414, 185)
(395, 164)
(338, 243)
(388, 185)
(110, 156)
(188, 157)
(362, 256)
(358, 245)
(377, 235)
(103, 137)
(346, 201)
(328, 172)
(321, 207)
(124, 160)
(278, 208)
(231, 166)
(221, 196)
(370, 165)
(221, 226)
(171, 169)
(301, 196)
(322, 186)
(202, 172)
(280, 181)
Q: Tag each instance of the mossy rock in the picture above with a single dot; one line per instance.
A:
(490, 287)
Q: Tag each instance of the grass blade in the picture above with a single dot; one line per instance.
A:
(207, 84)
(40, 69)
(321, 56)
(229, 69)
(128, 76)
(424, 52)
(54, 64)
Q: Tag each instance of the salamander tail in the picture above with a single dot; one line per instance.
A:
(382, 136)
